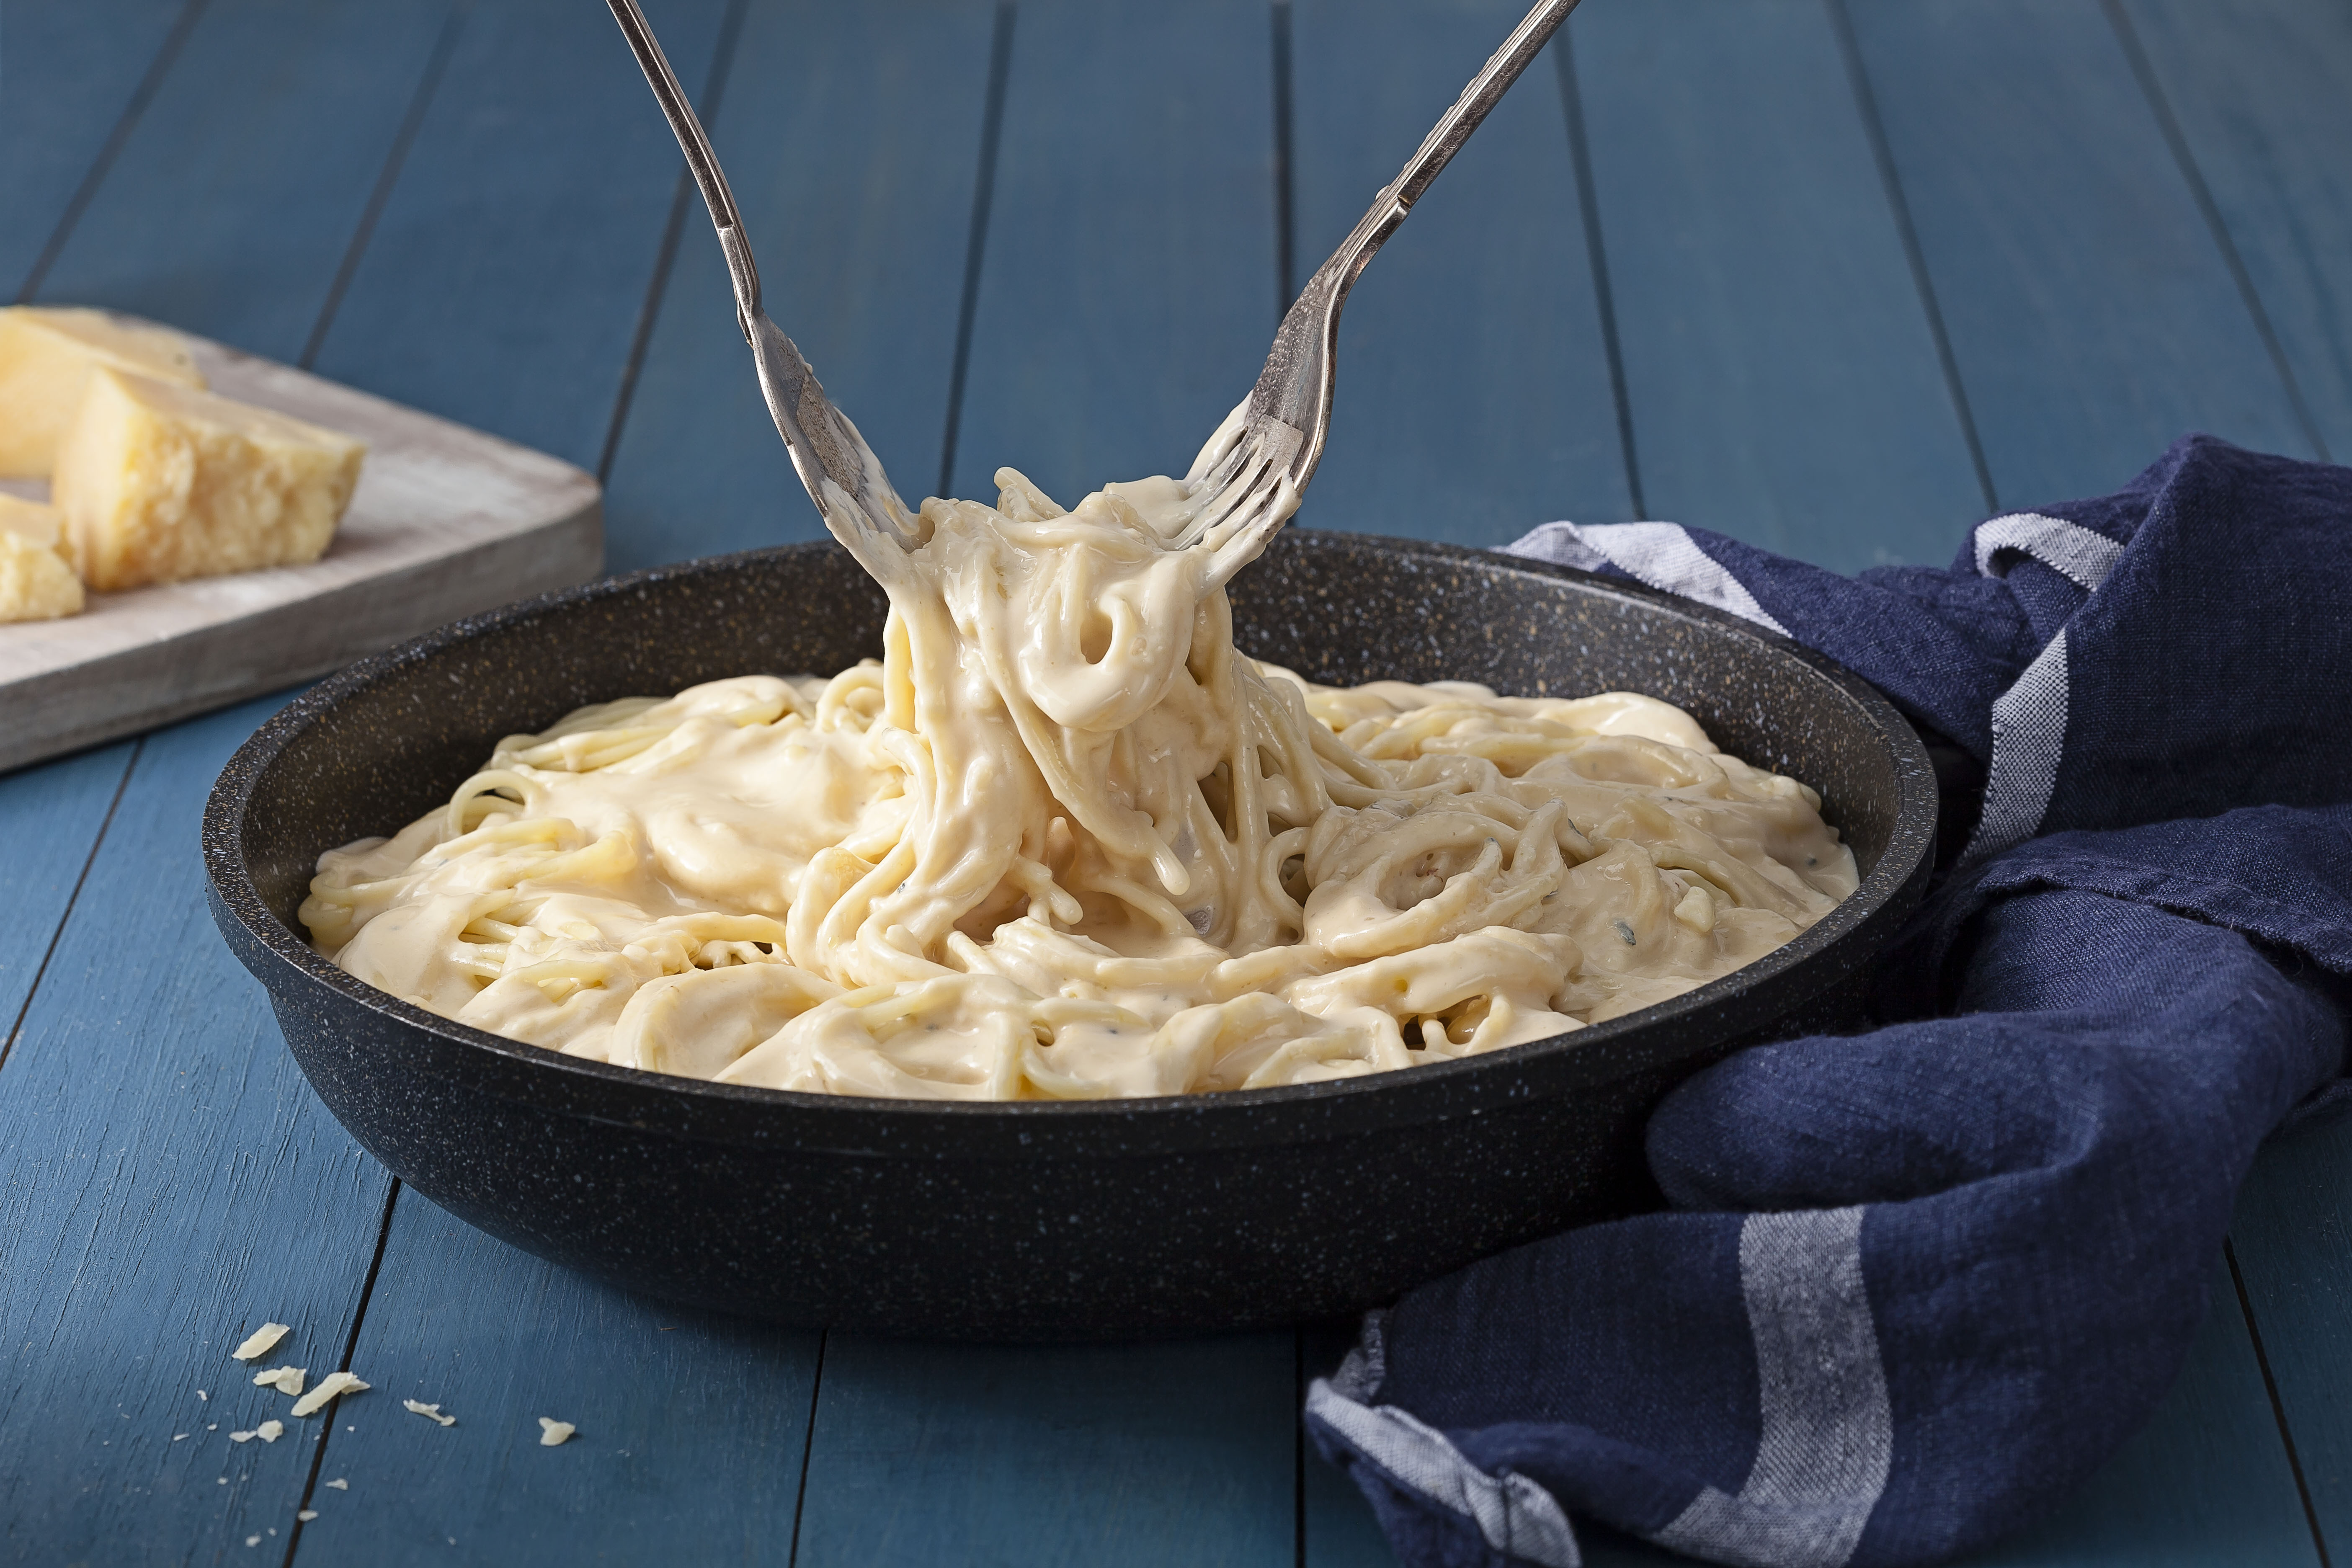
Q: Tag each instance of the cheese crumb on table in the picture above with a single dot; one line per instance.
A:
(270, 1431)
(430, 1411)
(552, 1432)
(46, 360)
(340, 1484)
(306, 1515)
(284, 1379)
(243, 1437)
(159, 483)
(260, 1342)
(333, 1384)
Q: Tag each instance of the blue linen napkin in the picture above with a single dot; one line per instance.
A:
(1915, 1284)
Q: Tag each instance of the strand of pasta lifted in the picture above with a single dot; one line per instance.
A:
(1063, 841)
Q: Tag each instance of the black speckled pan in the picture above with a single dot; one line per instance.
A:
(1109, 1219)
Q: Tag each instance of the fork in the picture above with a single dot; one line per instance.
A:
(1247, 480)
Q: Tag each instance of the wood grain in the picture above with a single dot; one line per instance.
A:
(167, 1183)
(2260, 91)
(1027, 1457)
(690, 1427)
(852, 138)
(49, 818)
(2092, 314)
(229, 211)
(446, 521)
(1126, 296)
(1779, 361)
(1473, 398)
(502, 283)
(71, 85)
(2293, 1234)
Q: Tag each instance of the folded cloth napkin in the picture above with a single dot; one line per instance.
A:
(1915, 1284)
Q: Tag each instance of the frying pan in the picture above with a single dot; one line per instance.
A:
(1107, 1219)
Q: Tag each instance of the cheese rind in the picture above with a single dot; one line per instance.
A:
(46, 359)
(159, 483)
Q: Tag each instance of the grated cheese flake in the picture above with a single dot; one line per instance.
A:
(202, 1394)
(261, 1340)
(552, 1432)
(430, 1411)
(340, 1484)
(284, 1379)
(270, 1431)
(333, 1384)
(243, 1437)
(252, 1541)
(307, 1515)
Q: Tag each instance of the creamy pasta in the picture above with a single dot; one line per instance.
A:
(1063, 841)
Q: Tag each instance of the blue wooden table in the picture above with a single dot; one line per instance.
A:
(1839, 276)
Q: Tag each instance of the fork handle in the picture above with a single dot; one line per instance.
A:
(1485, 89)
(701, 161)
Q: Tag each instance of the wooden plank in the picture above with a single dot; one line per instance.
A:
(446, 521)
(851, 137)
(49, 818)
(2258, 88)
(1035, 1458)
(1780, 362)
(690, 1427)
(502, 283)
(1474, 397)
(2092, 314)
(2293, 1235)
(1126, 296)
(231, 207)
(75, 74)
(167, 1183)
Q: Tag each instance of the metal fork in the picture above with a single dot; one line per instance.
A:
(843, 475)
(1248, 477)
(1247, 480)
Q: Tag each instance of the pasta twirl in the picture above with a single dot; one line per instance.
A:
(1063, 841)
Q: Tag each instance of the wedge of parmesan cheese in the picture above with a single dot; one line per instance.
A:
(46, 358)
(430, 1411)
(284, 1379)
(36, 583)
(261, 1340)
(333, 1384)
(159, 483)
(553, 1432)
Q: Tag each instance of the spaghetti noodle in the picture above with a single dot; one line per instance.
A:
(1063, 841)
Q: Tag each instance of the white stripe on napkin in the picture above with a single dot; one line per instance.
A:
(2069, 548)
(2029, 719)
(1517, 1517)
(1662, 554)
(1828, 1431)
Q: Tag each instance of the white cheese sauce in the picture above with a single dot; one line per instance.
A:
(1063, 842)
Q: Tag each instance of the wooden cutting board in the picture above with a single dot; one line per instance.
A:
(446, 521)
